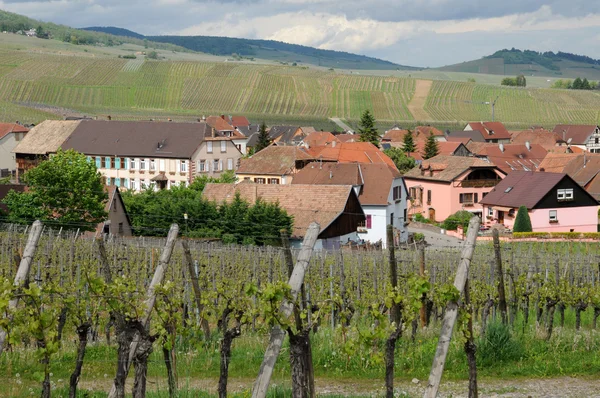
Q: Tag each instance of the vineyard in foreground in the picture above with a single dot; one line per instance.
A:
(345, 311)
(98, 84)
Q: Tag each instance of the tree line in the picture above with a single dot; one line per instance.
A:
(518, 81)
(577, 84)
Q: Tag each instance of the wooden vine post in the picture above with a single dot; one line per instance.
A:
(396, 317)
(500, 276)
(277, 335)
(437, 369)
(157, 279)
(23, 271)
(196, 286)
(423, 310)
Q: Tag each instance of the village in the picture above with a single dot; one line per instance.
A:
(352, 187)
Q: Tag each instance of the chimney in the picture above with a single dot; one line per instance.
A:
(528, 145)
(501, 146)
(333, 144)
(212, 132)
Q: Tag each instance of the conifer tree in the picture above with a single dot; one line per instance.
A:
(263, 138)
(431, 147)
(409, 142)
(522, 222)
(367, 130)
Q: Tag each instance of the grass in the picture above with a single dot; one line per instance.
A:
(94, 81)
(568, 353)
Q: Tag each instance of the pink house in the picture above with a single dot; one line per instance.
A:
(444, 184)
(556, 203)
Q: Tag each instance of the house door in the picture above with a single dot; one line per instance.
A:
(431, 214)
(500, 217)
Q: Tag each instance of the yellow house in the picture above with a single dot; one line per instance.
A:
(273, 165)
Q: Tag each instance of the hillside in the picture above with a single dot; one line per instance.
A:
(111, 30)
(532, 63)
(35, 82)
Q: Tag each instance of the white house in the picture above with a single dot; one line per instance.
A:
(10, 135)
(586, 137)
(381, 191)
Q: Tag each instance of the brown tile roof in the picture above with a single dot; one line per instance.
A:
(137, 139)
(557, 162)
(319, 138)
(375, 179)
(447, 148)
(593, 187)
(426, 130)
(240, 121)
(6, 128)
(219, 123)
(352, 152)
(485, 128)
(274, 160)
(463, 140)
(348, 137)
(477, 147)
(474, 136)
(572, 164)
(446, 168)
(526, 189)
(305, 203)
(47, 137)
(514, 156)
(579, 133)
(395, 135)
(539, 136)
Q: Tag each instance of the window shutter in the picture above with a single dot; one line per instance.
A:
(369, 221)
(476, 197)
(460, 198)
(177, 165)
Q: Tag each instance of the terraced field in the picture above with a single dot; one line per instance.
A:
(136, 89)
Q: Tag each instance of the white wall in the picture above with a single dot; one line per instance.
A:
(398, 207)
(7, 144)
(379, 221)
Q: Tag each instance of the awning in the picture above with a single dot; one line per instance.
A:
(160, 177)
(500, 208)
(473, 210)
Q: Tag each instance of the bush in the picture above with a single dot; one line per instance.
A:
(497, 345)
(558, 235)
(420, 218)
(522, 222)
(418, 237)
(461, 218)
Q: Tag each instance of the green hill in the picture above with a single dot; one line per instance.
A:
(532, 63)
(111, 30)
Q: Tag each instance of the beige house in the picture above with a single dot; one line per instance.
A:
(117, 222)
(10, 135)
(273, 165)
(138, 155)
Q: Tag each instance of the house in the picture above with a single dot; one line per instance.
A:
(426, 131)
(511, 157)
(555, 202)
(586, 137)
(462, 140)
(10, 135)
(286, 135)
(443, 185)
(551, 141)
(468, 136)
(347, 137)
(493, 132)
(350, 152)
(117, 222)
(318, 139)
(380, 189)
(584, 168)
(41, 141)
(225, 129)
(335, 207)
(273, 165)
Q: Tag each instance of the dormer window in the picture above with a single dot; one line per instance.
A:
(565, 194)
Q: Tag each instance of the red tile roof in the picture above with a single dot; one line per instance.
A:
(426, 130)
(240, 121)
(274, 160)
(578, 133)
(375, 179)
(348, 137)
(319, 138)
(491, 130)
(526, 189)
(219, 124)
(352, 152)
(7, 128)
(514, 156)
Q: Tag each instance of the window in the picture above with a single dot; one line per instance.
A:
(223, 146)
(132, 164)
(161, 165)
(117, 163)
(121, 228)
(184, 166)
(596, 140)
(466, 198)
(118, 182)
(202, 166)
(142, 164)
(107, 162)
(429, 196)
(565, 194)
(490, 212)
(126, 182)
(507, 190)
(216, 165)
(392, 219)
(229, 164)
(273, 180)
(107, 180)
(476, 197)
(397, 193)
(369, 221)
(553, 216)
(259, 180)
(126, 163)
(209, 147)
(98, 162)
(152, 164)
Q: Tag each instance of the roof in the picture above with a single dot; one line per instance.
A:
(306, 130)
(491, 130)
(395, 135)
(593, 187)
(113, 193)
(426, 130)
(474, 136)
(573, 165)
(511, 157)
(456, 138)
(477, 147)
(446, 168)
(7, 128)
(526, 189)
(283, 133)
(273, 160)
(540, 136)
(305, 203)
(219, 124)
(578, 133)
(248, 130)
(347, 137)
(156, 139)
(352, 152)
(240, 121)
(375, 179)
(319, 138)
(448, 148)
(47, 137)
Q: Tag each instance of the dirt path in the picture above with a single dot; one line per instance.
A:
(518, 388)
(416, 106)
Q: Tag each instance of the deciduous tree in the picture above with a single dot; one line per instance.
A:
(400, 159)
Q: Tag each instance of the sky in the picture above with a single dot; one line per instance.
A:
(425, 33)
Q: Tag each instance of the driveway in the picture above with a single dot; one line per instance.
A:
(437, 240)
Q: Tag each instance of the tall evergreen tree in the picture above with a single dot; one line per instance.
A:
(585, 84)
(522, 221)
(263, 138)
(431, 147)
(409, 142)
(367, 130)
(577, 83)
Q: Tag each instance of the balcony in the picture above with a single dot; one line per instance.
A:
(478, 183)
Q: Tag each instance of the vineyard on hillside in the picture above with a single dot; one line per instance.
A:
(346, 307)
(139, 88)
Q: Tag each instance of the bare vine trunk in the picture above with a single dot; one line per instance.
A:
(82, 334)
(226, 343)
(140, 362)
(169, 357)
(62, 320)
(470, 347)
(596, 315)
(125, 334)
(301, 365)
